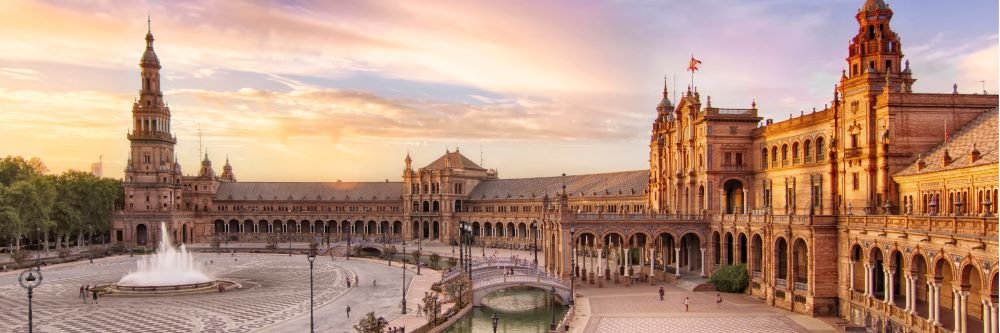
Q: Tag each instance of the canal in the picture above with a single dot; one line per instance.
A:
(521, 310)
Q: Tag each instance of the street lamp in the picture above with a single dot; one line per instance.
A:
(461, 246)
(572, 272)
(312, 258)
(404, 276)
(29, 282)
(534, 245)
(496, 320)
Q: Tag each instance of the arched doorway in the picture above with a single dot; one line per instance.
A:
(437, 231)
(729, 249)
(757, 255)
(141, 235)
(734, 196)
(742, 245)
(800, 257)
(716, 248)
(220, 226)
(690, 257)
(781, 258)
(184, 233)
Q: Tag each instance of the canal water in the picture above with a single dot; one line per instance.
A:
(521, 310)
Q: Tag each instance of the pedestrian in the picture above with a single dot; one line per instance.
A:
(95, 296)
(356, 281)
(718, 299)
(687, 302)
(661, 293)
(419, 308)
(348, 311)
(221, 288)
(374, 283)
(82, 295)
(348, 282)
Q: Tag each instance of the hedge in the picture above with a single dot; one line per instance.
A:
(730, 278)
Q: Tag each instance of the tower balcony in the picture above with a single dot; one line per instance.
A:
(152, 135)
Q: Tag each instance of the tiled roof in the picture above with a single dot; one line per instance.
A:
(453, 160)
(980, 133)
(625, 183)
(340, 191)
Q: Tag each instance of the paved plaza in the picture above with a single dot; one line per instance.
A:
(274, 297)
(639, 309)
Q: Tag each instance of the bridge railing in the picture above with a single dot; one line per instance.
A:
(547, 281)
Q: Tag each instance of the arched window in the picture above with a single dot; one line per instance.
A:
(795, 152)
(763, 158)
(820, 149)
(774, 156)
(807, 150)
(784, 154)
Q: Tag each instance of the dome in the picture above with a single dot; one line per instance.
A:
(149, 57)
(874, 5)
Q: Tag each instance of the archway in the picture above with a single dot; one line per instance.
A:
(742, 245)
(615, 244)
(972, 285)
(757, 255)
(437, 231)
(279, 226)
(141, 235)
(426, 230)
(800, 255)
(781, 259)
(857, 268)
(877, 273)
(415, 230)
(247, 226)
(220, 226)
(729, 248)
(233, 227)
(896, 293)
(666, 251)
(716, 248)
(691, 253)
(184, 233)
(734, 196)
(946, 297)
(918, 270)
(262, 226)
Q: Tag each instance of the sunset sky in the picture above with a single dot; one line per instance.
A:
(325, 90)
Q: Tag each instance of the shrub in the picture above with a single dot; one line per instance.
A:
(730, 278)
(64, 252)
(118, 247)
(435, 258)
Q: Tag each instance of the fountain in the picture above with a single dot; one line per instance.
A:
(169, 270)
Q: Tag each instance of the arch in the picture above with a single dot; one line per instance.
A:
(436, 206)
(690, 251)
(756, 253)
(763, 158)
(427, 206)
(800, 260)
(233, 226)
(415, 230)
(510, 230)
(701, 198)
(220, 226)
(522, 230)
(247, 226)
(795, 152)
(781, 258)
(807, 150)
(735, 191)
(917, 268)
(305, 226)
(944, 275)
(784, 153)
(263, 226)
(476, 229)
(279, 226)
(717, 248)
(820, 149)
(729, 248)
(774, 156)
(488, 229)
(437, 231)
(877, 261)
(141, 234)
(397, 228)
(742, 246)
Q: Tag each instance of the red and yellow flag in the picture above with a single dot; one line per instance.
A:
(693, 65)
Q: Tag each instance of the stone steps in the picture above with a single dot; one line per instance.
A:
(697, 284)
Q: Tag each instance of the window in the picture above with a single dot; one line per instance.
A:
(857, 181)
(739, 158)
(763, 158)
(819, 149)
(854, 140)
(726, 160)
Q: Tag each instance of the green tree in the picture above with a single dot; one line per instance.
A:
(15, 168)
(31, 200)
(371, 324)
(435, 259)
(730, 278)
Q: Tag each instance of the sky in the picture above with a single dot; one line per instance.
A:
(342, 90)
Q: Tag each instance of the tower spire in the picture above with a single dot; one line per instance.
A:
(149, 23)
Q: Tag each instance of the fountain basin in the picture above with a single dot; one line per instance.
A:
(115, 289)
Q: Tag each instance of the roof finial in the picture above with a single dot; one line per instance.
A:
(149, 23)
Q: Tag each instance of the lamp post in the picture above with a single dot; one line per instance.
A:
(467, 231)
(350, 234)
(30, 282)
(289, 243)
(312, 258)
(572, 266)
(404, 276)
(461, 246)
(534, 244)
(496, 321)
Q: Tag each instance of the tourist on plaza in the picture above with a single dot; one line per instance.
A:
(82, 294)
(687, 302)
(348, 311)
(95, 295)
(661, 294)
(348, 281)
(356, 280)
(419, 308)
(374, 283)
(718, 299)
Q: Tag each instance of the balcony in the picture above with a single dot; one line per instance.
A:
(796, 160)
(733, 167)
(852, 152)
(801, 286)
(780, 283)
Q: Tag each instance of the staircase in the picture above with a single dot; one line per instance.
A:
(694, 284)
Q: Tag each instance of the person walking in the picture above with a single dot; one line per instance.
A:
(356, 283)
(419, 308)
(82, 294)
(687, 303)
(374, 283)
(348, 281)
(661, 293)
(95, 295)
(348, 311)
(718, 299)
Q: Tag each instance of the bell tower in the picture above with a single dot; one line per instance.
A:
(152, 175)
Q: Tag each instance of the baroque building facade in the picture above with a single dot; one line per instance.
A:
(861, 210)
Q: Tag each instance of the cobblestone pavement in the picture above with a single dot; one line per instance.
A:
(639, 309)
(275, 294)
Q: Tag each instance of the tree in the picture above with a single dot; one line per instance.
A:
(730, 278)
(452, 262)
(435, 259)
(433, 306)
(371, 324)
(15, 168)
(32, 201)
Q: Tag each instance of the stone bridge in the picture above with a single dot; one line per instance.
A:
(492, 276)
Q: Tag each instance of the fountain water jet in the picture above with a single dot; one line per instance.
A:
(169, 266)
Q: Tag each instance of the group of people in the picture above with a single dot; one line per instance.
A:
(86, 290)
(687, 300)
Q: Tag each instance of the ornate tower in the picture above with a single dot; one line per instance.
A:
(152, 176)
(659, 148)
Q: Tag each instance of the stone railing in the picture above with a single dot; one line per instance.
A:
(965, 225)
(852, 152)
(564, 323)
(804, 220)
(780, 283)
(801, 286)
(584, 217)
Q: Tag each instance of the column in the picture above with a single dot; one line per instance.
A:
(628, 260)
(652, 261)
(993, 317)
(888, 286)
(936, 304)
(703, 262)
(746, 209)
(956, 309)
(677, 261)
(909, 293)
(850, 268)
(986, 316)
(868, 286)
(600, 260)
(964, 305)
